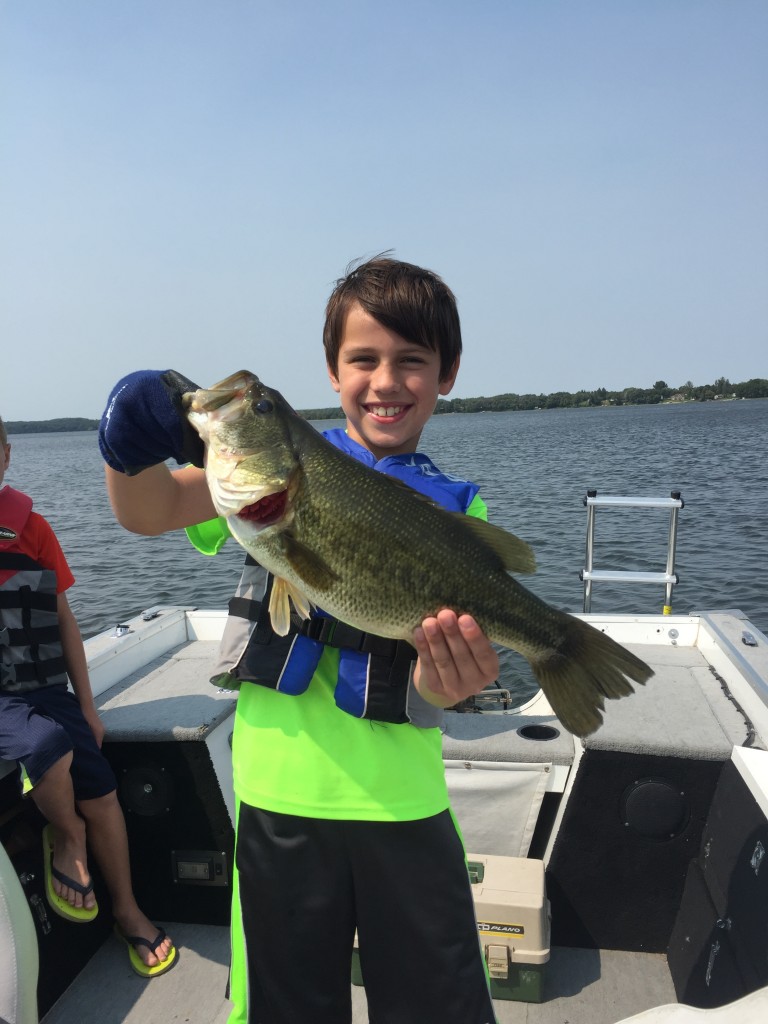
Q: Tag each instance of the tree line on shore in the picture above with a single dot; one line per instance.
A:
(720, 390)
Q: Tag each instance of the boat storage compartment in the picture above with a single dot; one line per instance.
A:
(719, 946)
(167, 739)
(513, 918)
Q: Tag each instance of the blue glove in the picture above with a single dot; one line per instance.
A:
(144, 423)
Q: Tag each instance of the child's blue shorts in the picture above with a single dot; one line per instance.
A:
(38, 728)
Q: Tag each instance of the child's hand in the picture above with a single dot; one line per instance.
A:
(456, 659)
(144, 423)
(91, 716)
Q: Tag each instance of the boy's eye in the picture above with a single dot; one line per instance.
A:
(409, 359)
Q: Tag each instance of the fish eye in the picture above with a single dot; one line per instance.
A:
(264, 405)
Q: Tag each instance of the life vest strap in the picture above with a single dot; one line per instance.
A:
(17, 560)
(10, 637)
(41, 602)
(245, 608)
(29, 672)
(333, 633)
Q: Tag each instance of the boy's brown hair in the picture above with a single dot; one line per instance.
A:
(409, 300)
(3, 435)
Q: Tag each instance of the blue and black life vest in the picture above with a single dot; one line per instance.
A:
(31, 655)
(375, 677)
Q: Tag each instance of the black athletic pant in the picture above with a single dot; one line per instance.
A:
(306, 884)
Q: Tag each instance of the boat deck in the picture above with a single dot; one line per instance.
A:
(194, 991)
(707, 706)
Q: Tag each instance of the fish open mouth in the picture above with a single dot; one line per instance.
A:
(266, 511)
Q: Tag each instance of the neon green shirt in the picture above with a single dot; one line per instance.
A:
(301, 755)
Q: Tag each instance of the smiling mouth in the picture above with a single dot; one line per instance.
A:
(267, 510)
(385, 411)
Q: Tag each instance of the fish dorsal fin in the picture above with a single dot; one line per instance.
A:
(514, 553)
(316, 573)
(280, 599)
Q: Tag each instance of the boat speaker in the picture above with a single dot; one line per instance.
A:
(655, 809)
(180, 832)
(632, 824)
(147, 790)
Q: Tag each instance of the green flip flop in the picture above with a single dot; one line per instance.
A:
(138, 965)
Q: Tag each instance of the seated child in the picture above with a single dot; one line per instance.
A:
(55, 734)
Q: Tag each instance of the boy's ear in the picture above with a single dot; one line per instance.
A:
(446, 385)
(333, 379)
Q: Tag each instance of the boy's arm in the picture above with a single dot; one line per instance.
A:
(77, 666)
(158, 500)
(456, 659)
(142, 427)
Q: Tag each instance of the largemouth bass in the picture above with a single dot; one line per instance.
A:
(379, 556)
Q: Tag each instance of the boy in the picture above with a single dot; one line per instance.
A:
(56, 734)
(343, 823)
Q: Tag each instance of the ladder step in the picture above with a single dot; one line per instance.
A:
(607, 500)
(608, 575)
(668, 578)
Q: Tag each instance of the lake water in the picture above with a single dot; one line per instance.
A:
(534, 469)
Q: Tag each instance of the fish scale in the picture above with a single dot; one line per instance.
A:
(379, 556)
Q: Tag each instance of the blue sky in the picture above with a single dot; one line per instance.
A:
(181, 183)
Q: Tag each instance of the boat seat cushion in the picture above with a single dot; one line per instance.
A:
(496, 737)
(751, 1009)
(170, 698)
(701, 722)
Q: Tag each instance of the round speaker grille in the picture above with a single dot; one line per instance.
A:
(146, 790)
(655, 809)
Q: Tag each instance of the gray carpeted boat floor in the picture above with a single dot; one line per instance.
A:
(581, 986)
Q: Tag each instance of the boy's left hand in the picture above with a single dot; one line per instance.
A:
(456, 659)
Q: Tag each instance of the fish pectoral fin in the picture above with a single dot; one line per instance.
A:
(515, 554)
(301, 602)
(280, 599)
(316, 573)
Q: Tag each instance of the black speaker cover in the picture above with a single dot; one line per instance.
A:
(631, 826)
(146, 789)
(172, 801)
(655, 809)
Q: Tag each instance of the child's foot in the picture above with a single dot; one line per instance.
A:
(137, 925)
(68, 886)
(70, 861)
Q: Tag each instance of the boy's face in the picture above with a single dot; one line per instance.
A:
(5, 458)
(388, 386)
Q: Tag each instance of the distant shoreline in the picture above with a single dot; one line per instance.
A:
(756, 388)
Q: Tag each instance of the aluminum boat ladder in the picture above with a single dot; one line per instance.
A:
(668, 577)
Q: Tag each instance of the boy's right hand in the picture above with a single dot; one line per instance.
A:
(144, 423)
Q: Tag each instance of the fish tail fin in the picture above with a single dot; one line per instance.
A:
(587, 668)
